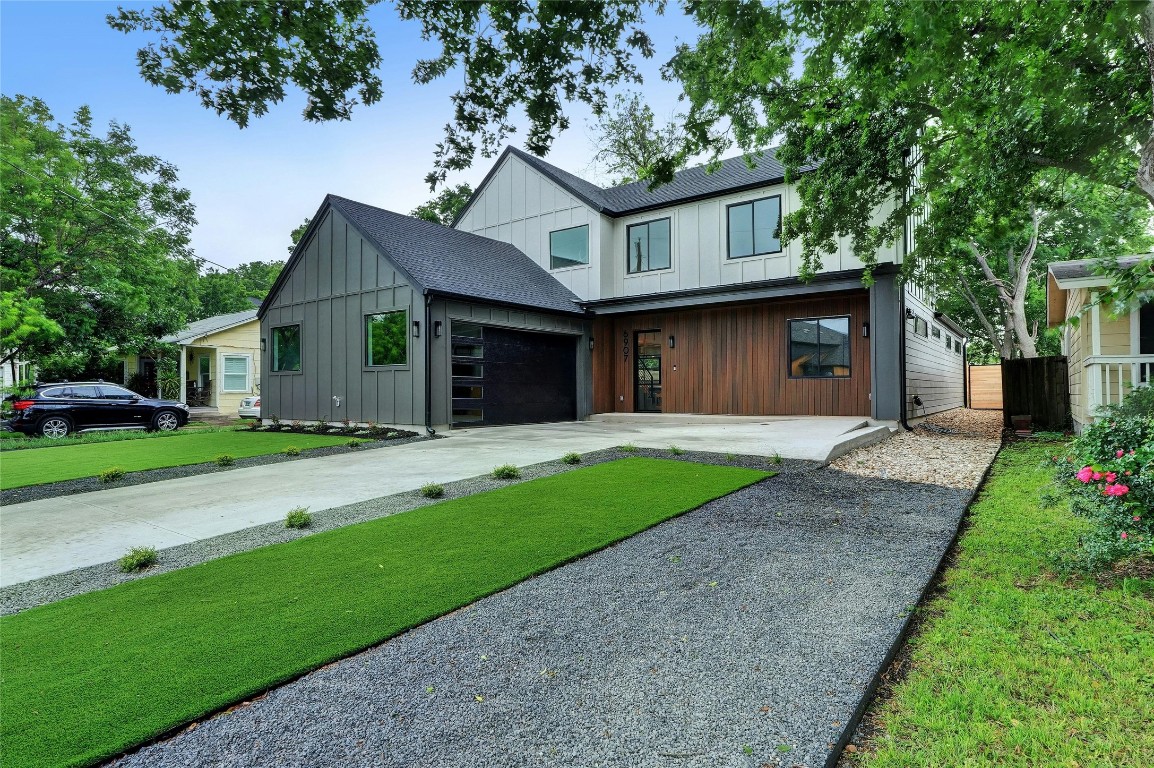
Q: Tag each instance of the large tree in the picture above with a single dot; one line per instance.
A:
(443, 208)
(960, 104)
(236, 289)
(628, 142)
(94, 237)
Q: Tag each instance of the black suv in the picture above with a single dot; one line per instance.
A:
(54, 410)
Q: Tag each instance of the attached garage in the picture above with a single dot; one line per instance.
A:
(506, 376)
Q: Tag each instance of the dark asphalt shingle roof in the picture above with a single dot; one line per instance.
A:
(1073, 270)
(448, 261)
(692, 183)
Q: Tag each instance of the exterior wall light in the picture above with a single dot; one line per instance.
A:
(672, 342)
(590, 343)
(865, 330)
(437, 326)
(416, 329)
(263, 344)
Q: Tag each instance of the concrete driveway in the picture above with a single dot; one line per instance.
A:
(41, 538)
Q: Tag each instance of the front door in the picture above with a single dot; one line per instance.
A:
(647, 371)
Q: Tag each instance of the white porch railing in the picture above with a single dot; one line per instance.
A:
(1110, 378)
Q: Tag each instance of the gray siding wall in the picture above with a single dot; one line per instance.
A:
(526, 320)
(338, 280)
(885, 342)
(933, 373)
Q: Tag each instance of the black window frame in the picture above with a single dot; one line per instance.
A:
(365, 364)
(729, 235)
(628, 256)
(585, 263)
(272, 357)
(789, 345)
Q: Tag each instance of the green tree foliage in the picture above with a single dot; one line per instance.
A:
(443, 208)
(239, 59)
(628, 141)
(962, 103)
(296, 235)
(236, 289)
(95, 240)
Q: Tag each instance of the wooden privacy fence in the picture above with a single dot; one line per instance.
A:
(1039, 388)
(985, 387)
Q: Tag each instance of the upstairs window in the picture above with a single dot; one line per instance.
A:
(819, 348)
(569, 247)
(754, 227)
(387, 338)
(647, 246)
(286, 349)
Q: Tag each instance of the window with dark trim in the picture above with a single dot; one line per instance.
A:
(647, 246)
(921, 327)
(569, 247)
(286, 349)
(387, 338)
(936, 332)
(949, 341)
(819, 348)
(754, 228)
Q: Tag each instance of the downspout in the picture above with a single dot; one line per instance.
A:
(429, 365)
(966, 373)
(902, 359)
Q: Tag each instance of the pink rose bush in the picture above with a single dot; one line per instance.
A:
(1109, 473)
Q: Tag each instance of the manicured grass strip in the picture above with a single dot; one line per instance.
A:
(88, 677)
(35, 466)
(16, 441)
(1014, 668)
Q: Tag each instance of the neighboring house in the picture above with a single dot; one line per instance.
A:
(1106, 356)
(552, 299)
(219, 360)
(14, 373)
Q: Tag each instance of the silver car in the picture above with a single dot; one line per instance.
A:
(249, 408)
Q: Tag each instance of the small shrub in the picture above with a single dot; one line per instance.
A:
(296, 426)
(774, 459)
(629, 448)
(298, 518)
(392, 435)
(292, 450)
(571, 458)
(730, 457)
(254, 425)
(676, 451)
(110, 475)
(318, 428)
(224, 460)
(137, 559)
(274, 422)
(432, 491)
(354, 443)
(346, 424)
(505, 472)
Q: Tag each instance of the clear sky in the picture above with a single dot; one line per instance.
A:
(251, 187)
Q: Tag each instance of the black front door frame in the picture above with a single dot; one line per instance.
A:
(646, 394)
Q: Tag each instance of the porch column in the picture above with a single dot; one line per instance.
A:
(181, 374)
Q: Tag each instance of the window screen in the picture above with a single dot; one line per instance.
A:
(819, 347)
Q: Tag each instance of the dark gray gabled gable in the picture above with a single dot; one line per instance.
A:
(444, 261)
(732, 175)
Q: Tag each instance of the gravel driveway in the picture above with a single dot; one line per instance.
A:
(741, 634)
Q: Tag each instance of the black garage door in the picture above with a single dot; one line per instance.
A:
(501, 376)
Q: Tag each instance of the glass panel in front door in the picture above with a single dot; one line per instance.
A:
(647, 376)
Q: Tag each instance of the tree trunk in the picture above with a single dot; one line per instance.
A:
(1146, 156)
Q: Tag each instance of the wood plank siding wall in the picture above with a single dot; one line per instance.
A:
(733, 359)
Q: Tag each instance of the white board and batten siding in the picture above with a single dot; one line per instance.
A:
(934, 374)
(521, 207)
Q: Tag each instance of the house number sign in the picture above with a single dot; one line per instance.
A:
(625, 345)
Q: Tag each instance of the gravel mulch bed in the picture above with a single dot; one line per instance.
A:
(744, 633)
(87, 484)
(952, 448)
(19, 597)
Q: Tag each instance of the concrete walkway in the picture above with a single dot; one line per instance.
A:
(52, 536)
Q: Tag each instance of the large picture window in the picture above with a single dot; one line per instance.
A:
(819, 347)
(286, 349)
(648, 246)
(754, 227)
(569, 247)
(387, 338)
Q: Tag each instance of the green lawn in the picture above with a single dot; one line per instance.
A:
(16, 441)
(35, 466)
(90, 676)
(1012, 667)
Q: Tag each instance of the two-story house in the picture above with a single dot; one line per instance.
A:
(552, 298)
